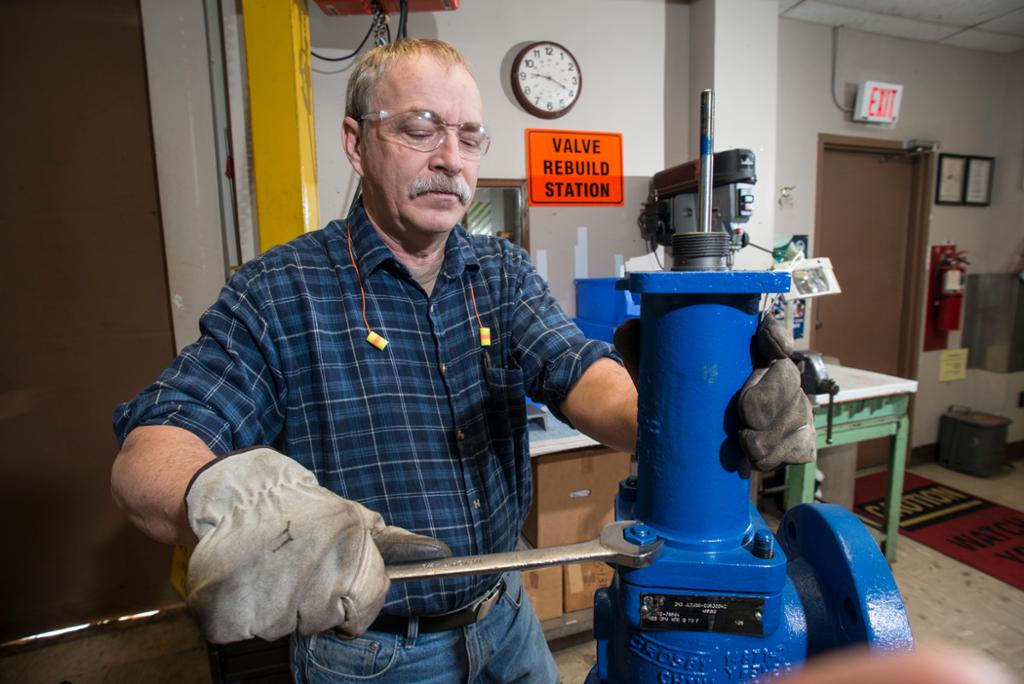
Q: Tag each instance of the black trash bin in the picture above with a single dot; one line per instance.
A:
(972, 441)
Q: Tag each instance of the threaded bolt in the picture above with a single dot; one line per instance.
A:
(639, 534)
(764, 544)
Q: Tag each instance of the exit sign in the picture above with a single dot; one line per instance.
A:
(878, 102)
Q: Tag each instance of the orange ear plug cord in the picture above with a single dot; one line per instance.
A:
(379, 341)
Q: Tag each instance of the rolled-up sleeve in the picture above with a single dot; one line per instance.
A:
(548, 346)
(226, 387)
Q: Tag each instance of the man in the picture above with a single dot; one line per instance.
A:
(385, 359)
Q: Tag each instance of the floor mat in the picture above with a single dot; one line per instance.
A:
(975, 531)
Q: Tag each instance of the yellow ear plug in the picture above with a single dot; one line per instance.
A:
(485, 337)
(379, 342)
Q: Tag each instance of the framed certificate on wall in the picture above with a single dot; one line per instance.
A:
(978, 184)
(949, 186)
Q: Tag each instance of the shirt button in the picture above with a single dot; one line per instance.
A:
(444, 367)
(431, 308)
(460, 435)
(476, 503)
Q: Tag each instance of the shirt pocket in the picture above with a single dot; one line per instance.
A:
(506, 408)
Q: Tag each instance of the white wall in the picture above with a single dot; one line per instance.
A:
(702, 67)
(745, 72)
(968, 100)
(643, 60)
(630, 52)
(999, 392)
(734, 51)
(678, 74)
(177, 66)
(620, 45)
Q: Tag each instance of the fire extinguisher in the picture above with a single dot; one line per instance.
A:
(950, 290)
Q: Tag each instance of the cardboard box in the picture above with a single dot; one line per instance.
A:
(544, 587)
(573, 495)
(581, 581)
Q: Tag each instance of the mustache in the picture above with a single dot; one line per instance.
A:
(456, 185)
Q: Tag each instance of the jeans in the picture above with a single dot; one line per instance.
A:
(507, 645)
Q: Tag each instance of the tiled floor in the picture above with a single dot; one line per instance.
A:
(945, 600)
(948, 600)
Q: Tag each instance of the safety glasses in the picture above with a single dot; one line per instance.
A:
(426, 131)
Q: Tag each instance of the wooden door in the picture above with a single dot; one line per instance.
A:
(83, 289)
(864, 226)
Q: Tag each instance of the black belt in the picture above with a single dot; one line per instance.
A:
(399, 624)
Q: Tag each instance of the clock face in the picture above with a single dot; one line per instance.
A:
(546, 79)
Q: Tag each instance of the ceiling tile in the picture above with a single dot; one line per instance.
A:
(1010, 24)
(984, 40)
(950, 12)
(833, 15)
(786, 4)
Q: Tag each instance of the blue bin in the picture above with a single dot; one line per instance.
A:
(601, 307)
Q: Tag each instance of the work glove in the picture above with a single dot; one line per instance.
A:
(277, 552)
(776, 421)
(776, 417)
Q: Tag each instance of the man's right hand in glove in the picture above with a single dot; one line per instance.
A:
(277, 552)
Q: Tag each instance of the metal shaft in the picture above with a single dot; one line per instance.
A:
(610, 547)
(707, 157)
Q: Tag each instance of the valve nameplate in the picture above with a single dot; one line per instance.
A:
(702, 613)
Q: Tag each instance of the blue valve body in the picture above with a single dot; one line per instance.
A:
(719, 604)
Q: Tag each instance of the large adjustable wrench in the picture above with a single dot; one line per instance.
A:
(611, 547)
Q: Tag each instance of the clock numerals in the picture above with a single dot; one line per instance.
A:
(546, 79)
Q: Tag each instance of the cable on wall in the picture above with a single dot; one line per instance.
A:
(403, 19)
(379, 29)
(832, 89)
(349, 56)
(381, 32)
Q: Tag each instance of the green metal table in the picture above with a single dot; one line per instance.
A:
(869, 405)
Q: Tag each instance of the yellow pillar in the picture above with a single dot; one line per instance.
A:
(281, 112)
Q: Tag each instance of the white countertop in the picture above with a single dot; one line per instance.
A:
(855, 383)
(539, 447)
(557, 437)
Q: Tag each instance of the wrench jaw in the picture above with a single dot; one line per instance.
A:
(630, 554)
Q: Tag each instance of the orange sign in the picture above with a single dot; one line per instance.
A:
(574, 168)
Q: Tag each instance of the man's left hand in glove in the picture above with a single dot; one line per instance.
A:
(776, 417)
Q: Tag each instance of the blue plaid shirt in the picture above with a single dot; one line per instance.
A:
(431, 431)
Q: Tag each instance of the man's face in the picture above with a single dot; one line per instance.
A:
(391, 170)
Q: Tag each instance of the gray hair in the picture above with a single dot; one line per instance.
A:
(375, 64)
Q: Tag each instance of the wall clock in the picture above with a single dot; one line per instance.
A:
(546, 79)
